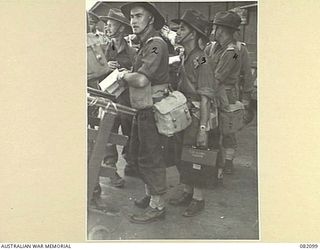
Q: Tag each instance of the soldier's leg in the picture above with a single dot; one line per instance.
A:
(229, 143)
(151, 167)
(111, 158)
(126, 125)
(197, 203)
(150, 160)
(215, 143)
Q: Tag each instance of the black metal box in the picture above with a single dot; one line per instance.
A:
(199, 156)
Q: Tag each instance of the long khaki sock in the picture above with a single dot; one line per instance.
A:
(197, 194)
(157, 201)
(230, 152)
(188, 189)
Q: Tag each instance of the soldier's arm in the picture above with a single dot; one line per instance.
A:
(136, 80)
(226, 64)
(202, 136)
(105, 49)
(150, 63)
(246, 75)
(204, 110)
(207, 84)
(205, 90)
(151, 60)
(132, 54)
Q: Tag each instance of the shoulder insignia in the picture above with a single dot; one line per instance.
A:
(196, 62)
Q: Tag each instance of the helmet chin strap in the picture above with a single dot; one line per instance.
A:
(115, 34)
(184, 38)
(145, 28)
(215, 35)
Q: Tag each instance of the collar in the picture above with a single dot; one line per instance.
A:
(226, 43)
(150, 33)
(123, 44)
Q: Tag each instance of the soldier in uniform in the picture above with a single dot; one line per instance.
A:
(224, 57)
(96, 65)
(245, 83)
(96, 70)
(148, 80)
(119, 55)
(93, 25)
(196, 85)
(92, 20)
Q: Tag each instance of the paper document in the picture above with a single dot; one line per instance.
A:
(173, 59)
(109, 80)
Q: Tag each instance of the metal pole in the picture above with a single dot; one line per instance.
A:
(100, 93)
(103, 103)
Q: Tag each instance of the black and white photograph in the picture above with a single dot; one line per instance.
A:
(172, 120)
(169, 124)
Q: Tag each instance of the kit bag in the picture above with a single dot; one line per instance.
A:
(96, 60)
(232, 120)
(172, 114)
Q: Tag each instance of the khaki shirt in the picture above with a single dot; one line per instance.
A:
(125, 56)
(152, 59)
(96, 61)
(196, 76)
(225, 62)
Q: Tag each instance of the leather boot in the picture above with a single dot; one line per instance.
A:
(116, 180)
(149, 215)
(194, 208)
(97, 191)
(220, 177)
(183, 200)
(143, 203)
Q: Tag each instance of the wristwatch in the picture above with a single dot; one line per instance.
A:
(203, 128)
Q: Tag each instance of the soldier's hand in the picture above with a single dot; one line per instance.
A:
(113, 65)
(248, 112)
(246, 104)
(120, 77)
(202, 139)
(248, 115)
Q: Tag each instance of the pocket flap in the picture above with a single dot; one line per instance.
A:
(171, 102)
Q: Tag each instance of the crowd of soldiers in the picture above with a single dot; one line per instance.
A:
(213, 72)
